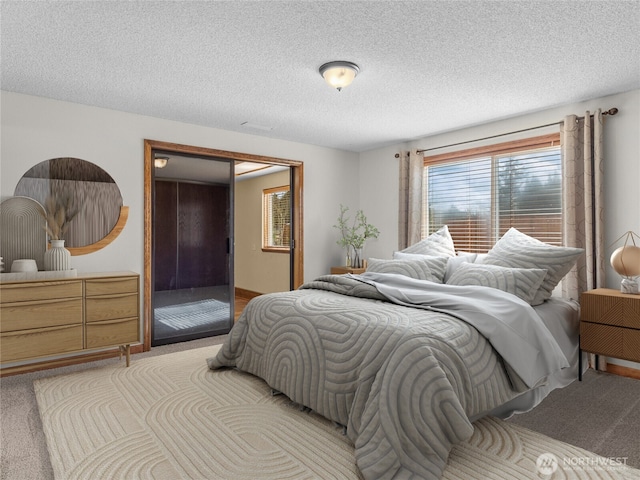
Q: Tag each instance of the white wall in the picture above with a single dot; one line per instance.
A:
(379, 170)
(34, 129)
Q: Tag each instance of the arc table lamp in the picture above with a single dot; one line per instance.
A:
(625, 261)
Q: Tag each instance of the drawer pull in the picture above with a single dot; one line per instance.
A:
(112, 322)
(37, 330)
(114, 295)
(38, 302)
(110, 280)
(23, 286)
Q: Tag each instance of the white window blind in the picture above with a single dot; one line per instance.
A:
(480, 197)
(276, 225)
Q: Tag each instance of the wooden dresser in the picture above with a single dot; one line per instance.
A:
(43, 320)
(610, 324)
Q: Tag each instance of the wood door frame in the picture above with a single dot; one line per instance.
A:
(297, 234)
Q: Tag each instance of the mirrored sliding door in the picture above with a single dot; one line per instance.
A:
(192, 248)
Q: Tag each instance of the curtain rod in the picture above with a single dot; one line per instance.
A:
(611, 111)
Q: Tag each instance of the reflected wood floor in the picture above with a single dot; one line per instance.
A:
(240, 303)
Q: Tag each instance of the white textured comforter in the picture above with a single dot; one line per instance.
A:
(404, 380)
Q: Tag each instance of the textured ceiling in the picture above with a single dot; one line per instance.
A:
(426, 67)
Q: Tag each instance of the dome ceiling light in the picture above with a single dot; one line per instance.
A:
(339, 74)
(160, 161)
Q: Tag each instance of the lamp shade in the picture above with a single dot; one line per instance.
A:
(626, 261)
(160, 162)
(339, 74)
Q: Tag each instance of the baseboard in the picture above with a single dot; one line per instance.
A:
(65, 362)
(623, 371)
(246, 294)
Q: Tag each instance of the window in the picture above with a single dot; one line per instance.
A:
(276, 219)
(480, 193)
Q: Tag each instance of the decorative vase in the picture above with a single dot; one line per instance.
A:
(57, 257)
(356, 262)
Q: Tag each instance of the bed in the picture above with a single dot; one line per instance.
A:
(407, 355)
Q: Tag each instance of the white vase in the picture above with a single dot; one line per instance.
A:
(57, 257)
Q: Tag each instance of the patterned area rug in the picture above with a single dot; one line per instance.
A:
(170, 418)
(190, 315)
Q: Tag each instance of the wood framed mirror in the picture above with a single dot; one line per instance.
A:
(101, 214)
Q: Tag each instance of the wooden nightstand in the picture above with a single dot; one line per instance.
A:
(342, 270)
(610, 324)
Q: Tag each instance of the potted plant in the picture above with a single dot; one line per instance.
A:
(58, 213)
(355, 235)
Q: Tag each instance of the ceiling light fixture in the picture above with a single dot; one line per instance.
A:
(160, 162)
(339, 74)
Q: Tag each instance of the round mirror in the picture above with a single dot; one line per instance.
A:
(88, 195)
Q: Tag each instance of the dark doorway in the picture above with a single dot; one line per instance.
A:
(155, 147)
(192, 255)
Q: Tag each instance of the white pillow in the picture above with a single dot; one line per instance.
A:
(455, 262)
(480, 258)
(522, 282)
(518, 250)
(438, 243)
(425, 268)
(452, 262)
(411, 256)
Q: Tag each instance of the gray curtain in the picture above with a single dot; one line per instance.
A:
(583, 200)
(410, 198)
(583, 222)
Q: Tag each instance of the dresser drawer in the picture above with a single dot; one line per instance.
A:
(611, 341)
(110, 307)
(40, 342)
(612, 308)
(40, 314)
(108, 286)
(28, 291)
(631, 345)
(112, 332)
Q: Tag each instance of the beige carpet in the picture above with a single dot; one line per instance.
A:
(171, 418)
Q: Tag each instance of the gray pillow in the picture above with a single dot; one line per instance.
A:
(522, 282)
(438, 243)
(452, 262)
(518, 250)
(425, 268)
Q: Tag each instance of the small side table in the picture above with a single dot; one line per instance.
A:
(343, 270)
(609, 325)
